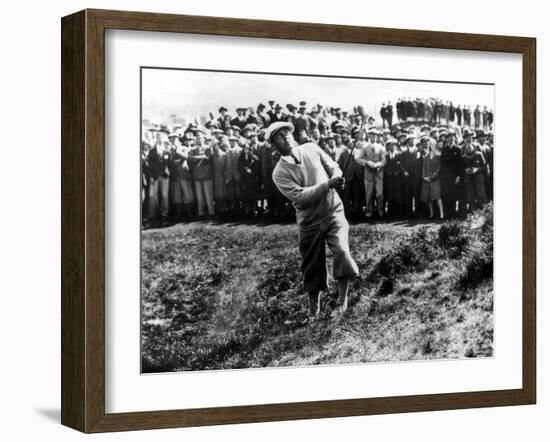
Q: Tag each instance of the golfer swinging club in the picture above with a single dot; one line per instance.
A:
(308, 177)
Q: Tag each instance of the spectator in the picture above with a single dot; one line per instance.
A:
(199, 159)
(473, 167)
(431, 184)
(373, 158)
(249, 171)
(158, 160)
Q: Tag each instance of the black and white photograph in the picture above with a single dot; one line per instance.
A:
(293, 220)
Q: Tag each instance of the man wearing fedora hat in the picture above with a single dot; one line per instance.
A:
(309, 178)
(275, 114)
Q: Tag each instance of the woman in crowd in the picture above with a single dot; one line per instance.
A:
(431, 185)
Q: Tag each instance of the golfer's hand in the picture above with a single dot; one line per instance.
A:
(336, 182)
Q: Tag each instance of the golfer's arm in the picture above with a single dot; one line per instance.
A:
(302, 197)
(331, 166)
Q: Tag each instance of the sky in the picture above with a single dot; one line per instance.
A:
(190, 94)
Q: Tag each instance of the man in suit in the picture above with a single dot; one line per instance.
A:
(301, 121)
(331, 149)
(477, 117)
(219, 149)
(276, 113)
(451, 167)
(373, 159)
(383, 114)
(232, 176)
(351, 193)
(389, 114)
(223, 119)
(158, 160)
(411, 165)
(393, 177)
(473, 174)
(487, 150)
(181, 181)
(240, 121)
(200, 162)
(268, 158)
(467, 114)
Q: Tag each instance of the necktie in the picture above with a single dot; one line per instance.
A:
(294, 158)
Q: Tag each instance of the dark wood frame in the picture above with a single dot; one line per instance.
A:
(83, 217)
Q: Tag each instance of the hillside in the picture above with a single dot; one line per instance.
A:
(226, 296)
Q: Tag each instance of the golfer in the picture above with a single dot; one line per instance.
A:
(308, 177)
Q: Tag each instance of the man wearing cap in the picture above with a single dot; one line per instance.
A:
(219, 165)
(351, 195)
(451, 166)
(314, 120)
(373, 158)
(223, 119)
(473, 167)
(411, 163)
(301, 121)
(200, 161)
(309, 178)
(487, 151)
(158, 159)
(232, 176)
(393, 177)
(338, 122)
(332, 150)
(240, 120)
(181, 181)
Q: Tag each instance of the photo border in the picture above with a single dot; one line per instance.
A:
(83, 220)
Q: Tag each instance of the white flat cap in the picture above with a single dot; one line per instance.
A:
(274, 127)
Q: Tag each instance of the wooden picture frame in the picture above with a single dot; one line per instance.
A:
(83, 220)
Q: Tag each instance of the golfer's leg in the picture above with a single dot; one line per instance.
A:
(344, 266)
(314, 266)
(343, 289)
(314, 303)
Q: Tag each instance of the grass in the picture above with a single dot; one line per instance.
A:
(219, 296)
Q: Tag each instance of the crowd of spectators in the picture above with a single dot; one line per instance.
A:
(433, 160)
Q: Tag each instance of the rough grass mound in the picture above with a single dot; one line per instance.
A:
(226, 297)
